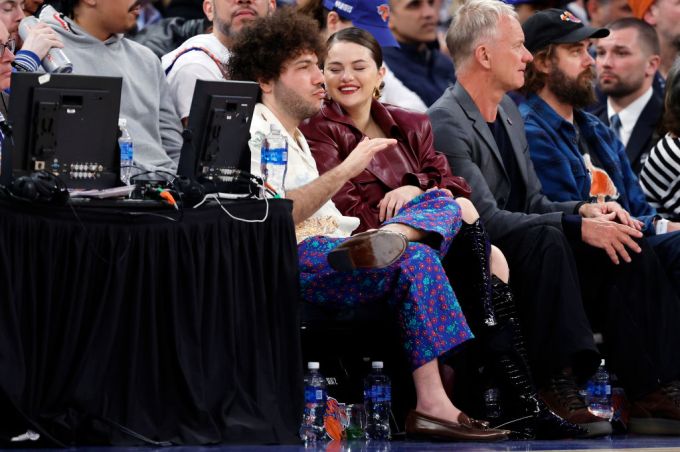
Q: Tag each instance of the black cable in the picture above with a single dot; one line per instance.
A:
(91, 245)
(128, 431)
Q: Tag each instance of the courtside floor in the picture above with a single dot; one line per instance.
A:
(628, 443)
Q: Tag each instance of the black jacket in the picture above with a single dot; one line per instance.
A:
(644, 135)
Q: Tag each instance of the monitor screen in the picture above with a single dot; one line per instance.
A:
(216, 138)
(67, 125)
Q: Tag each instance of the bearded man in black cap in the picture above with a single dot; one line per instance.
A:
(578, 158)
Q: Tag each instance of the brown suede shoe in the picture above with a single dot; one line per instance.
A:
(657, 413)
(562, 396)
(421, 425)
(372, 249)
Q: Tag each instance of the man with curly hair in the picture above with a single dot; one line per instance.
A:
(389, 265)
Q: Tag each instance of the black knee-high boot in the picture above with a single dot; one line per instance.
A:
(490, 312)
(510, 361)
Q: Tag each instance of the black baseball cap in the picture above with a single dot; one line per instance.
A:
(557, 26)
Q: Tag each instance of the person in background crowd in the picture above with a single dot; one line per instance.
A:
(205, 56)
(527, 8)
(660, 177)
(187, 9)
(148, 15)
(626, 62)
(6, 59)
(413, 283)
(418, 62)
(664, 16)
(93, 32)
(603, 12)
(39, 41)
(576, 156)
(31, 6)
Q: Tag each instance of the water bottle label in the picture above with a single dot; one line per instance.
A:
(380, 393)
(276, 156)
(314, 394)
(126, 151)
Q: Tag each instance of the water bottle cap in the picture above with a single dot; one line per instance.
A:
(602, 362)
(377, 364)
(313, 365)
(273, 128)
(122, 122)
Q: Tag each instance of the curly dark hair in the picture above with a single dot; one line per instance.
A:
(259, 51)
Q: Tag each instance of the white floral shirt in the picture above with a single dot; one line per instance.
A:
(301, 170)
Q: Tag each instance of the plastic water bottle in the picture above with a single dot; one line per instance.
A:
(312, 428)
(127, 152)
(599, 394)
(274, 159)
(377, 401)
(492, 406)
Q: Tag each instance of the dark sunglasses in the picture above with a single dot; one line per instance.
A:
(9, 45)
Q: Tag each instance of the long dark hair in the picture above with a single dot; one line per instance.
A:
(671, 115)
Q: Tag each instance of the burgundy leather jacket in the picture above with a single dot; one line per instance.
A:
(412, 161)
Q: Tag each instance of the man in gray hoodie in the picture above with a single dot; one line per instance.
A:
(92, 33)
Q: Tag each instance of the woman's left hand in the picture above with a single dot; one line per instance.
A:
(395, 200)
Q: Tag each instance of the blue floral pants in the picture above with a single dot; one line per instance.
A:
(416, 286)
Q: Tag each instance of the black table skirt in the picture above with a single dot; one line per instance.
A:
(117, 327)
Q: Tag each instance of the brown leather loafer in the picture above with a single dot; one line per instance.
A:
(657, 413)
(372, 249)
(421, 425)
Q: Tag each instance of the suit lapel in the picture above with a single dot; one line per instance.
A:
(478, 123)
(513, 134)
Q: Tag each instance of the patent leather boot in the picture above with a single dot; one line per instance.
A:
(468, 266)
(532, 418)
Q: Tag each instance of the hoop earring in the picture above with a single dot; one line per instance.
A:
(376, 93)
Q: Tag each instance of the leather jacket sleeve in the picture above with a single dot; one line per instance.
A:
(434, 168)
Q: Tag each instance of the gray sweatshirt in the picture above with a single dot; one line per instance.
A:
(146, 103)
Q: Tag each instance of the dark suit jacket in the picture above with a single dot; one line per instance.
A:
(461, 133)
(644, 135)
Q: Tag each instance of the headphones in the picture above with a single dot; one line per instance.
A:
(190, 191)
(40, 187)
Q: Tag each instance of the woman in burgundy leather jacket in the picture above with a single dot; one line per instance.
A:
(477, 271)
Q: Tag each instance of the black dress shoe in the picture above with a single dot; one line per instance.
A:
(372, 249)
(424, 426)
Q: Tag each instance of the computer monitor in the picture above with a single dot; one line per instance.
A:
(64, 124)
(216, 137)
